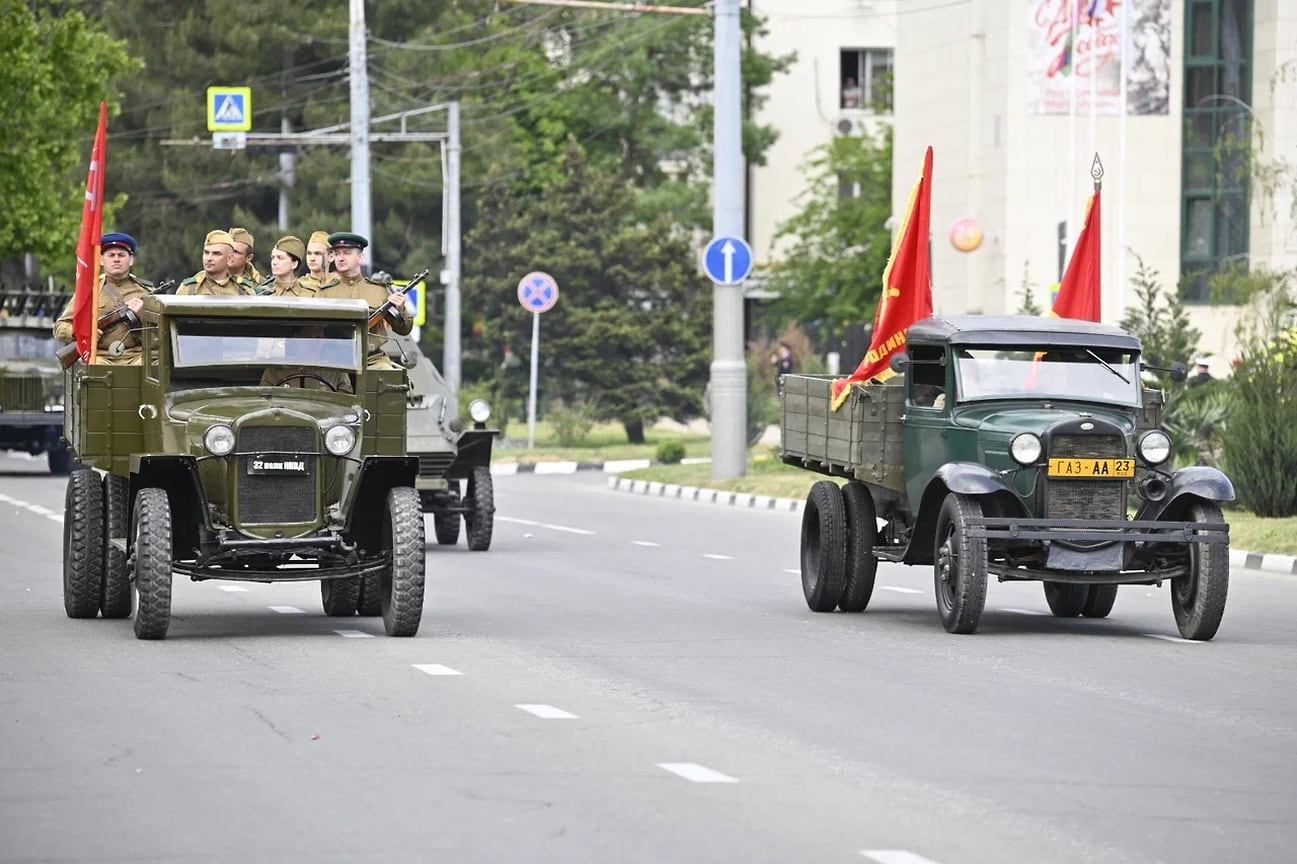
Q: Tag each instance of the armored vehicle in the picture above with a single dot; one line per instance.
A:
(449, 454)
(31, 380)
(252, 443)
(1010, 447)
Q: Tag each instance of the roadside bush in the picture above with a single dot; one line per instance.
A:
(670, 452)
(572, 422)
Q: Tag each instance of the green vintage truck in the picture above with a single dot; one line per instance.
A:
(1014, 448)
(252, 443)
(31, 380)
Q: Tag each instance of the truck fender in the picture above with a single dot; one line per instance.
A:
(964, 478)
(364, 511)
(1198, 481)
(178, 476)
(473, 451)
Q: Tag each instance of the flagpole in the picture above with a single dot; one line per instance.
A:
(1071, 134)
(1121, 164)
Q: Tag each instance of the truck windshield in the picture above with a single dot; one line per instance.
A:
(1088, 374)
(331, 344)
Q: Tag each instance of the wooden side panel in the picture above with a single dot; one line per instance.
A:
(864, 438)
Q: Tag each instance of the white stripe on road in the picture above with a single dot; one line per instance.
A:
(354, 634)
(233, 589)
(644, 543)
(288, 610)
(895, 856)
(543, 525)
(547, 712)
(435, 669)
(1024, 611)
(43, 511)
(1165, 638)
(899, 590)
(718, 557)
(515, 521)
(567, 529)
(35, 508)
(794, 572)
(696, 773)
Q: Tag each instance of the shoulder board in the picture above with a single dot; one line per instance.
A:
(192, 280)
(143, 283)
(329, 284)
(244, 281)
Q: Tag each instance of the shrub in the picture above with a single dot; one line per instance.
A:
(670, 452)
(572, 422)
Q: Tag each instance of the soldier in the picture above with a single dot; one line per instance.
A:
(215, 277)
(348, 252)
(118, 286)
(317, 262)
(241, 261)
(285, 263)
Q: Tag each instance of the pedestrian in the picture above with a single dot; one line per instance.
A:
(1202, 373)
(782, 360)
(241, 261)
(118, 286)
(285, 265)
(215, 278)
(348, 253)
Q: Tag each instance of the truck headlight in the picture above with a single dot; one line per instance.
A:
(339, 440)
(1155, 447)
(1025, 448)
(219, 440)
(479, 410)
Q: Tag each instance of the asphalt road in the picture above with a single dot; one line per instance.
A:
(635, 680)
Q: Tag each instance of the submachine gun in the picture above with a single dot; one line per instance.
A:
(68, 354)
(387, 310)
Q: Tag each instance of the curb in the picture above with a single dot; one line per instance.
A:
(1266, 561)
(508, 469)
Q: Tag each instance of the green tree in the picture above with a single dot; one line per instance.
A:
(54, 75)
(838, 243)
(1027, 304)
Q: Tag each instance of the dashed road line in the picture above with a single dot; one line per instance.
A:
(288, 610)
(645, 543)
(695, 773)
(435, 669)
(354, 634)
(1166, 638)
(1017, 611)
(895, 856)
(551, 527)
(232, 589)
(792, 571)
(899, 590)
(34, 508)
(716, 557)
(547, 712)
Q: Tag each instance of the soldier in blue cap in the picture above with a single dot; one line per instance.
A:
(118, 286)
(348, 252)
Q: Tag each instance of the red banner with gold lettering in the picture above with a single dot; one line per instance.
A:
(85, 316)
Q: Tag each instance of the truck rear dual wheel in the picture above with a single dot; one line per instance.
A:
(1198, 599)
(340, 597)
(824, 547)
(83, 545)
(862, 530)
(116, 602)
(1066, 599)
(960, 565)
(368, 604)
(401, 582)
(152, 551)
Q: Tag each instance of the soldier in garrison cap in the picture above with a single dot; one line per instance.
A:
(317, 262)
(285, 264)
(348, 255)
(215, 277)
(241, 261)
(118, 286)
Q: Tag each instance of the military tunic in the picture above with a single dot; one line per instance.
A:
(296, 288)
(117, 345)
(201, 283)
(252, 274)
(375, 294)
(315, 283)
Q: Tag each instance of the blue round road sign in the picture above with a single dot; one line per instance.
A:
(537, 292)
(727, 260)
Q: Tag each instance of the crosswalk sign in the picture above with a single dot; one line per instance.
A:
(229, 109)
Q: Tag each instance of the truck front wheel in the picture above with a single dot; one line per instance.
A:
(401, 587)
(960, 568)
(824, 546)
(1198, 599)
(480, 520)
(152, 552)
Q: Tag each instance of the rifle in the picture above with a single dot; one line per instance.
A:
(387, 309)
(68, 354)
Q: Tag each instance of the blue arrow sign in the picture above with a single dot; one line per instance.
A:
(728, 260)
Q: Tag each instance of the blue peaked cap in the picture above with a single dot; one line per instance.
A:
(126, 241)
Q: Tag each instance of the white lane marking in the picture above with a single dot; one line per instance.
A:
(696, 773)
(543, 525)
(794, 572)
(435, 669)
(1165, 638)
(644, 543)
(547, 712)
(567, 529)
(718, 557)
(35, 508)
(515, 521)
(354, 634)
(1024, 611)
(288, 610)
(899, 590)
(895, 856)
(43, 511)
(233, 589)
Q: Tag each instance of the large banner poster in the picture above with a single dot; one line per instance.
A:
(1060, 58)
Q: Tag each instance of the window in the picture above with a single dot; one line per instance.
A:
(1216, 148)
(866, 79)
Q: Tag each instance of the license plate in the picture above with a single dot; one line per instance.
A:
(274, 463)
(1091, 468)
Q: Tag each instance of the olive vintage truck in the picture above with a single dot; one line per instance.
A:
(1013, 448)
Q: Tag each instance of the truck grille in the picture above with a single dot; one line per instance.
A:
(435, 464)
(278, 498)
(22, 394)
(1086, 499)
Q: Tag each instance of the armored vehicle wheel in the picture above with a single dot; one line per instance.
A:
(960, 566)
(367, 601)
(340, 597)
(1065, 599)
(116, 601)
(1100, 601)
(60, 459)
(401, 590)
(862, 529)
(1198, 599)
(824, 546)
(83, 545)
(481, 519)
(446, 527)
(152, 554)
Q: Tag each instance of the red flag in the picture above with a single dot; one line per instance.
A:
(86, 299)
(1079, 293)
(907, 289)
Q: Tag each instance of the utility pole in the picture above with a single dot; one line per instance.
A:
(450, 366)
(287, 157)
(361, 221)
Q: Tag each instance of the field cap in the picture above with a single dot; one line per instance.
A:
(321, 237)
(219, 236)
(242, 235)
(293, 246)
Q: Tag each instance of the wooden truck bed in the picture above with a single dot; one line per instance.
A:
(864, 439)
